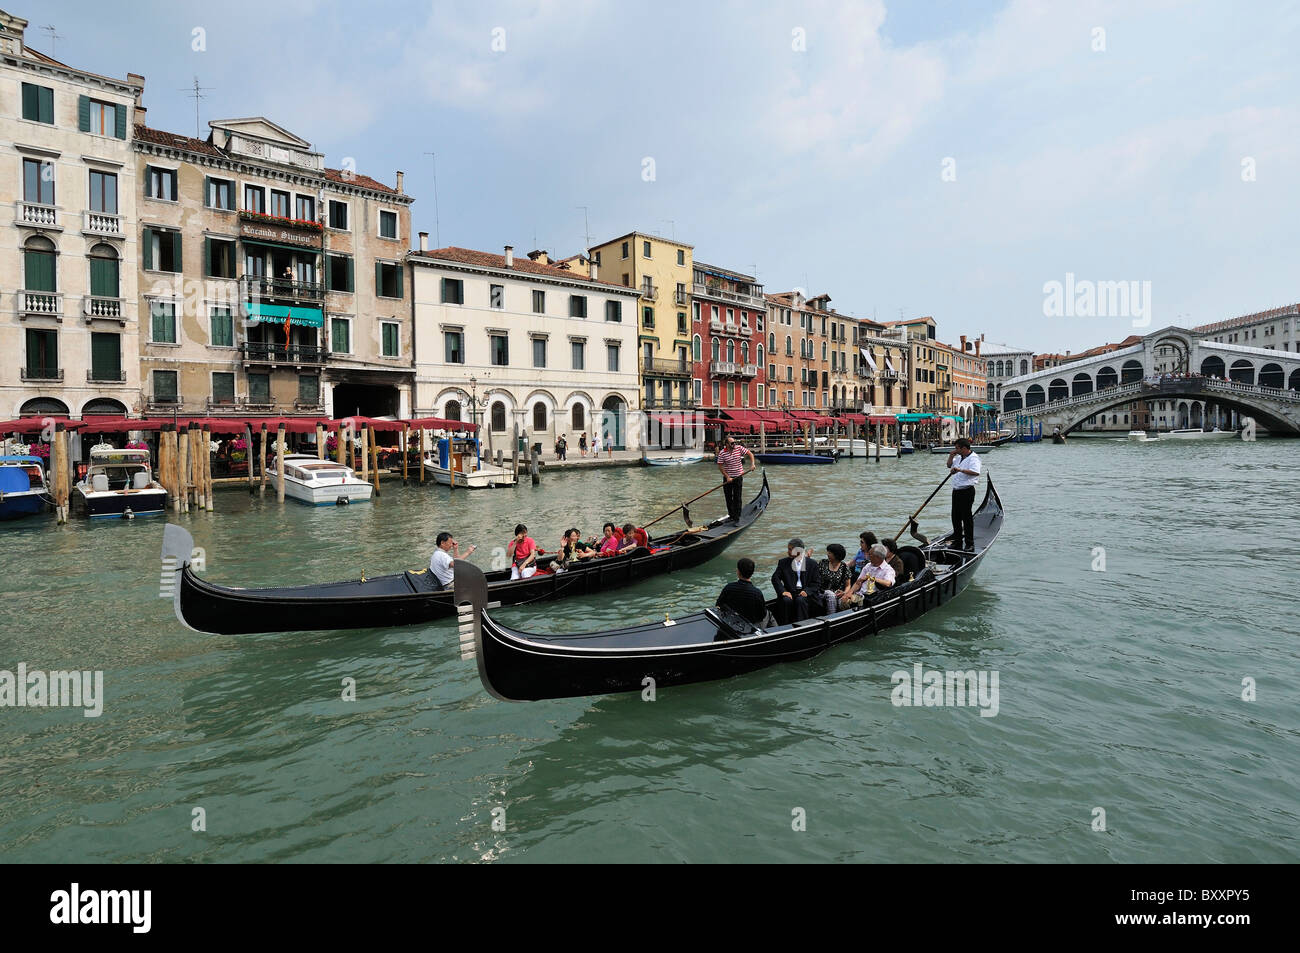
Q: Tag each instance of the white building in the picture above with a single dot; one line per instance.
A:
(68, 316)
(544, 348)
(1004, 361)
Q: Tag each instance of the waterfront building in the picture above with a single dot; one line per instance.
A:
(728, 313)
(662, 270)
(808, 343)
(68, 316)
(515, 342)
(968, 376)
(271, 283)
(881, 366)
(1277, 329)
(928, 389)
(1002, 362)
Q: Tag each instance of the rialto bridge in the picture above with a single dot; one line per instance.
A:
(1209, 383)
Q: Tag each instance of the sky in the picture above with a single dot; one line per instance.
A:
(937, 158)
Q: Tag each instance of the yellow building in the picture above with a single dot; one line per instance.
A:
(931, 385)
(662, 269)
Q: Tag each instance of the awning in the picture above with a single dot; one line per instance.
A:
(276, 313)
(30, 425)
(439, 423)
(889, 364)
(858, 419)
(987, 406)
(866, 356)
(882, 419)
(953, 417)
(914, 418)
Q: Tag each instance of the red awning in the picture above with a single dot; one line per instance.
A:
(439, 423)
(882, 419)
(29, 425)
(735, 426)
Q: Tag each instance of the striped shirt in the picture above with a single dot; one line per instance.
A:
(732, 461)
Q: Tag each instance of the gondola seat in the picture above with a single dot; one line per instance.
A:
(731, 624)
(913, 560)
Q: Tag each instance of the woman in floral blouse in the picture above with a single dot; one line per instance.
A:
(836, 577)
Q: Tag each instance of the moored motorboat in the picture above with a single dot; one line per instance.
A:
(674, 460)
(790, 457)
(24, 487)
(317, 482)
(522, 666)
(411, 597)
(118, 483)
(1139, 436)
(856, 447)
(460, 459)
(1197, 434)
(905, 447)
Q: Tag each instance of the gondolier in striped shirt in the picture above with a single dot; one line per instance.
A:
(731, 461)
(966, 467)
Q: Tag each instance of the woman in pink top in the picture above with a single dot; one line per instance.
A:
(610, 544)
(522, 552)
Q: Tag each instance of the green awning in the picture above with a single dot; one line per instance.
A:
(987, 406)
(913, 418)
(953, 417)
(309, 249)
(276, 313)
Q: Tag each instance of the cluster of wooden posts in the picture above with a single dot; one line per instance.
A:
(60, 473)
(185, 466)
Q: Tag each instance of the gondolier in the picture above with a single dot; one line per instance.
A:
(731, 461)
(966, 468)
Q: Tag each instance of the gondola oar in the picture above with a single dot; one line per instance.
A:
(685, 512)
(910, 525)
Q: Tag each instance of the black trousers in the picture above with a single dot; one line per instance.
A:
(732, 492)
(963, 523)
(794, 609)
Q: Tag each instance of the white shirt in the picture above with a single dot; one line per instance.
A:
(882, 573)
(797, 565)
(961, 481)
(442, 565)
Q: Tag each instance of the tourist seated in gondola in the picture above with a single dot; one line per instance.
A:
(878, 574)
(635, 540)
(797, 582)
(522, 553)
(836, 578)
(611, 544)
(867, 540)
(742, 596)
(442, 563)
(573, 549)
(894, 560)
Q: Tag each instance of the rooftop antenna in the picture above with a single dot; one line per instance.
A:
(54, 38)
(586, 228)
(196, 92)
(437, 225)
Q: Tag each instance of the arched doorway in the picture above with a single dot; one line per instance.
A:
(42, 407)
(1294, 382)
(452, 410)
(540, 423)
(1082, 384)
(1213, 367)
(1270, 375)
(1242, 371)
(1106, 377)
(498, 417)
(104, 407)
(613, 421)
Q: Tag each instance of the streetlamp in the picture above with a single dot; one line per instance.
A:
(474, 405)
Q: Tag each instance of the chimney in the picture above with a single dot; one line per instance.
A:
(591, 268)
(510, 256)
(401, 176)
(963, 344)
(977, 345)
(424, 241)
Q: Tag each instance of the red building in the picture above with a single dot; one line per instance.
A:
(728, 313)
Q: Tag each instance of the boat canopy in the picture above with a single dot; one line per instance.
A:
(914, 418)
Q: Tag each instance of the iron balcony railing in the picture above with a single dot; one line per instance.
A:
(259, 288)
(257, 352)
(666, 366)
(42, 373)
(106, 377)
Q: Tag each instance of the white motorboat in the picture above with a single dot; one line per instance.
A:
(1215, 434)
(856, 446)
(674, 460)
(1139, 436)
(24, 488)
(118, 483)
(316, 482)
(461, 459)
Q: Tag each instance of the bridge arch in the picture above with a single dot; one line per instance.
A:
(1082, 385)
(1213, 366)
(1270, 375)
(1058, 389)
(1242, 370)
(1294, 382)
(1034, 395)
(1106, 377)
(1012, 401)
(1130, 371)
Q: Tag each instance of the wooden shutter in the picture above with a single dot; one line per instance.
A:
(398, 268)
(83, 113)
(31, 102)
(38, 271)
(148, 249)
(379, 277)
(176, 251)
(208, 270)
(351, 279)
(103, 277)
(119, 121)
(46, 99)
(209, 199)
(106, 356)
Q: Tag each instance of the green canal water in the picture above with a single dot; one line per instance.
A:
(1118, 689)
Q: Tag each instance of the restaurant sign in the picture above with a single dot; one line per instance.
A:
(257, 231)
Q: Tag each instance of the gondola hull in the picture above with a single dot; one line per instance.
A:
(412, 597)
(519, 666)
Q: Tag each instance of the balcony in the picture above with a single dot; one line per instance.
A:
(257, 288)
(748, 370)
(724, 368)
(102, 224)
(715, 325)
(42, 373)
(665, 367)
(295, 355)
(164, 403)
(47, 304)
(681, 297)
(650, 292)
(109, 309)
(745, 330)
(105, 377)
(717, 292)
(37, 215)
(668, 403)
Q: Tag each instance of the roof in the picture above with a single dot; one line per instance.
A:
(992, 347)
(356, 178)
(1247, 319)
(483, 259)
(653, 237)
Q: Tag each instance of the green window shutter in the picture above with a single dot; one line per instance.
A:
(176, 251)
(38, 271)
(46, 113)
(148, 249)
(83, 113)
(208, 197)
(105, 356)
(400, 293)
(442, 296)
(31, 102)
(208, 270)
(119, 128)
(103, 277)
(379, 277)
(329, 272)
(351, 279)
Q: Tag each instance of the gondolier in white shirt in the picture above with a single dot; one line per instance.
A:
(966, 468)
(442, 563)
(731, 461)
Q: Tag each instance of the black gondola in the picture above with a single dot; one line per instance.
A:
(708, 645)
(410, 597)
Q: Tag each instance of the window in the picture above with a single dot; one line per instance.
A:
(391, 343)
(219, 193)
(279, 203)
(453, 291)
(453, 343)
(648, 318)
(387, 224)
(101, 119)
(162, 316)
(611, 358)
(626, 281)
(388, 279)
(160, 184)
(38, 103)
(681, 257)
(539, 302)
(699, 390)
(309, 389)
(577, 306)
(339, 273)
(539, 352)
(255, 199)
(614, 311)
(223, 388)
(218, 258)
(340, 336)
(681, 322)
(645, 249)
(42, 354)
(304, 208)
(103, 192)
(223, 327)
(338, 215)
(578, 351)
(39, 272)
(105, 356)
(452, 410)
(496, 296)
(789, 346)
(162, 250)
(104, 272)
(499, 348)
(38, 181)
(164, 387)
(625, 254)
(716, 392)
(731, 394)
(696, 350)
(259, 389)
(498, 417)
(717, 348)
(539, 416)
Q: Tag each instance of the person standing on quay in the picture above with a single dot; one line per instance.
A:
(966, 468)
(731, 462)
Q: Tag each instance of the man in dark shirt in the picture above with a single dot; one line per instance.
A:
(742, 596)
